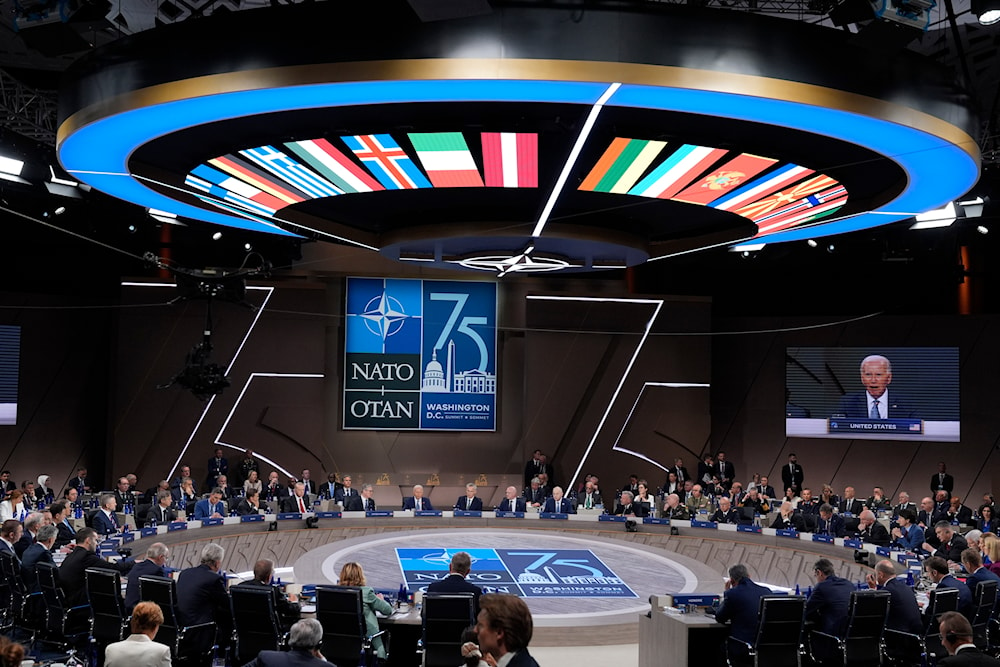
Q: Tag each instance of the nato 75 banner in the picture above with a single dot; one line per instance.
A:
(420, 354)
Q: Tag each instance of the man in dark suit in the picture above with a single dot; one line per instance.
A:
(249, 504)
(972, 561)
(362, 503)
(32, 523)
(765, 489)
(311, 488)
(725, 470)
(627, 508)
(298, 501)
(287, 607)
(510, 503)
(39, 552)
(792, 475)
(559, 505)
(956, 637)
(6, 483)
(201, 592)
(346, 490)
(243, 469)
(105, 522)
(741, 605)
(163, 512)
(304, 640)
(850, 504)
(80, 482)
(633, 484)
(942, 481)
(706, 469)
(217, 465)
(871, 531)
(60, 519)
(903, 504)
(455, 582)
(950, 544)
(590, 497)
(904, 613)
(535, 466)
(725, 513)
(154, 565)
(829, 523)
(123, 496)
(787, 518)
(938, 572)
(827, 606)
(875, 401)
(504, 626)
(534, 494)
(331, 488)
(84, 555)
(10, 532)
(678, 469)
(417, 502)
(469, 502)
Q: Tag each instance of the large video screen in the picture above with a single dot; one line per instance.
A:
(891, 393)
(10, 357)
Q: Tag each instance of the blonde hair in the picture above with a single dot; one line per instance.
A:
(991, 545)
(352, 575)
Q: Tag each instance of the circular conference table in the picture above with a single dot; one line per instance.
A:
(585, 578)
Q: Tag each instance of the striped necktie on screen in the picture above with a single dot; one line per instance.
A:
(875, 413)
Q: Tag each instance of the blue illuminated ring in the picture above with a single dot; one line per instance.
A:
(937, 170)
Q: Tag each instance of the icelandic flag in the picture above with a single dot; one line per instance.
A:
(334, 165)
(387, 161)
(622, 164)
(446, 158)
(676, 172)
(510, 159)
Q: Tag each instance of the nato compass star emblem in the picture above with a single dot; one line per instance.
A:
(384, 315)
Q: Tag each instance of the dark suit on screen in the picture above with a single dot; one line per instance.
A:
(410, 503)
(856, 406)
(463, 504)
(456, 583)
(740, 607)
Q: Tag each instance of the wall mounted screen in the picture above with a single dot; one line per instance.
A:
(420, 354)
(10, 356)
(891, 393)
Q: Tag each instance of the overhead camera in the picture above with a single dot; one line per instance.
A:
(202, 378)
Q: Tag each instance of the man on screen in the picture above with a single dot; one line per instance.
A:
(875, 401)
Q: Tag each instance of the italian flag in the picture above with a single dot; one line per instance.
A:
(510, 159)
(446, 158)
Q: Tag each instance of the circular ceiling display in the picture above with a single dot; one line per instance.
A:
(515, 165)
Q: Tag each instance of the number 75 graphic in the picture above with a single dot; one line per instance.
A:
(464, 327)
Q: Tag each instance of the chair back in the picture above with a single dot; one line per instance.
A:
(107, 606)
(445, 617)
(63, 621)
(163, 591)
(746, 514)
(779, 633)
(983, 603)
(939, 601)
(339, 609)
(255, 620)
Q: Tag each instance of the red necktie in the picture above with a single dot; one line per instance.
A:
(302, 506)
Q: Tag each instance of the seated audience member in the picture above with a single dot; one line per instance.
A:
(43, 492)
(974, 538)
(163, 512)
(765, 490)
(72, 571)
(673, 509)
(626, 506)
(304, 641)
(714, 489)
(211, 507)
(253, 482)
(511, 501)
(991, 545)
(456, 581)
(736, 494)
(353, 575)
(632, 486)
(877, 502)
(250, 504)
(272, 490)
(12, 507)
(903, 503)
(972, 561)
(309, 482)
(28, 494)
(286, 606)
(938, 572)
(545, 484)
(959, 514)
(32, 523)
(331, 487)
(124, 497)
(986, 522)
(557, 504)
(829, 524)
(417, 502)
(826, 495)
(185, 494)
(925, 515)
(753, 500)
(105, 522)
(363, 503)
(139, 649)
(871, 531)
(297, 502)
(151, 495)
(672, 485)
(907, 535)
(81, 483)
(740, 607)
(942, 506)
(904, 613)
(469, 502)
(10, 532)
(643, 496)
(504, 629)
(830, 599)
(956, 638)
(153, 565)
(792, 497)
(850, 504)
(686, 490)
(534, 495)
(787, 519)
(346, 491)
(60, 519)
(589, 498)
(227, 491)
(807, 504)
(725, 513)
(11, 653)
(950, 544)
(201, 592)
(697, 501)
(182, 472)
(72, 497)
(39, 552)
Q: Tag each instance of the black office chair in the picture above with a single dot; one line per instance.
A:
(27, 610)
(746, 514)
(809, 522)
(189, 644)
(983, 603)
(939, 601)
(67, 627)
(445, 617)
(779, 635)
(255, 620)
(346, 641)
(104, 590)
(862, 643)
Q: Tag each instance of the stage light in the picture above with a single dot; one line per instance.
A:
(746, 253)
(11, 166)
(987, 11)
(747, 247)
(941, 217)
(216, 236)
(60, 181)
(973, 208)
(60, 210)
(131, 229)
(811, 243)
(983, 229)
(247, 247)
(831, 248)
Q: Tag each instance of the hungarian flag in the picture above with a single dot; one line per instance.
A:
(334, 165)
(761, 188)
(446, 158)
(622, 164)
(510, 160)
(676, 172)
(726, 178)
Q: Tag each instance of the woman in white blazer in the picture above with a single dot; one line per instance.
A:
(139, 649)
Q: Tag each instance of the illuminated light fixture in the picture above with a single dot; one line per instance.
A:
(581, 139)
(973, 208)
(609, 266)
(987, 11)
(519, 263)
(831, 248)
(414, 258)
(941, 217)
(983, 229)
(60, 181)
(60, 210)
(164, 216)
(748, 247)
(247, 247)
(812, 243)
(11, 166)
(216, 236)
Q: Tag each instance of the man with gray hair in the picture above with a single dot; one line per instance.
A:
(304, 640)
(32, 523)
(740, 605)
(202, 595)
(39, 552)
(875, 402)
(366, 502)
(417, 502)
(154, 565)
